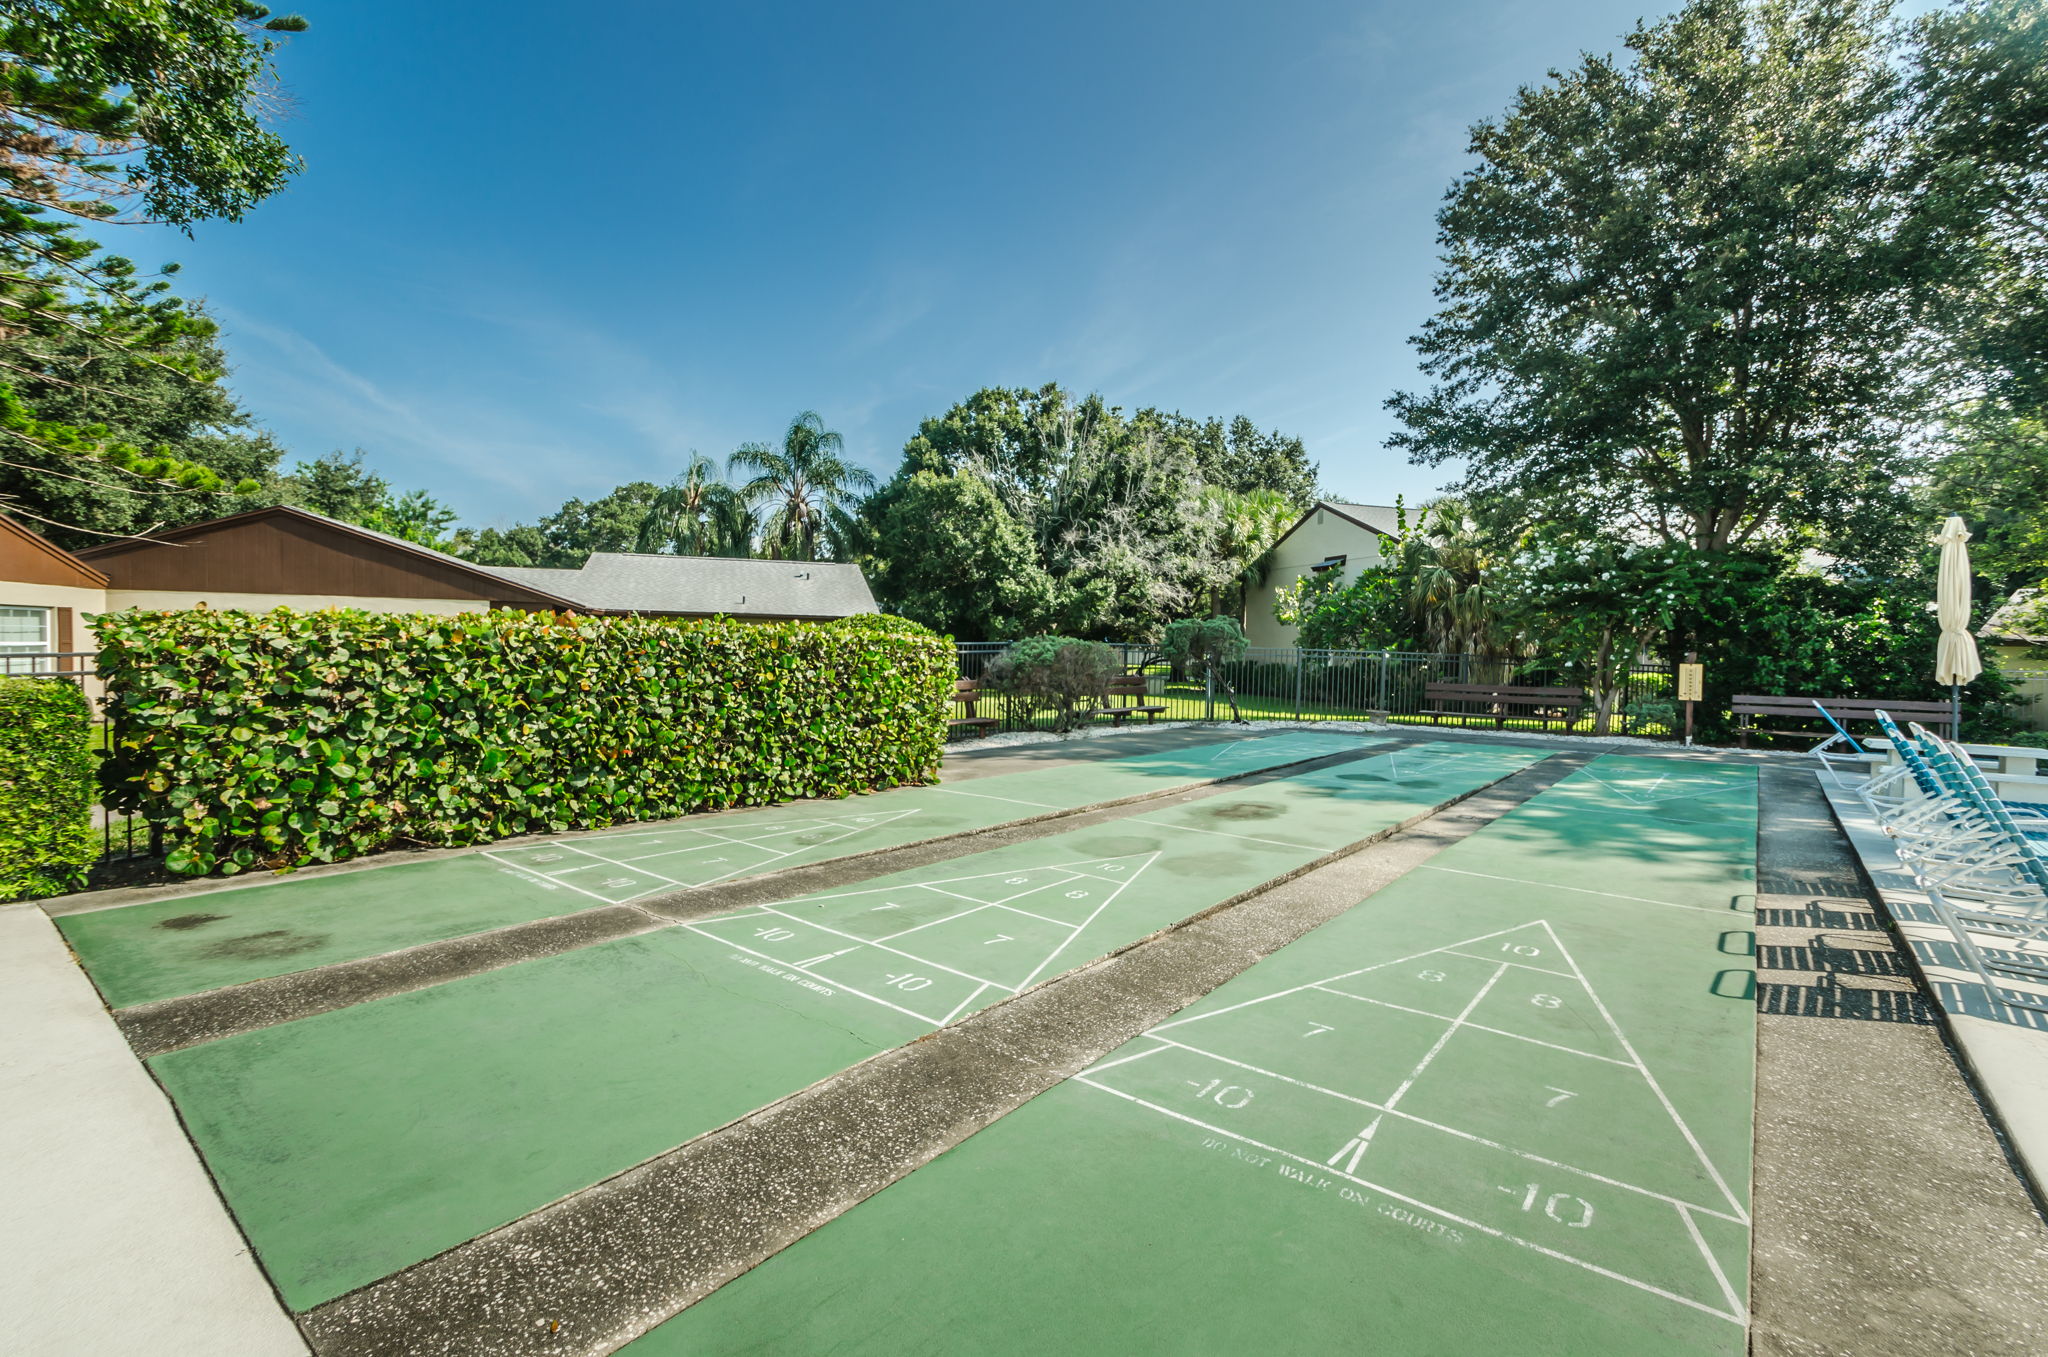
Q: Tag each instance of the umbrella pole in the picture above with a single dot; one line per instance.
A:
(1955, 712)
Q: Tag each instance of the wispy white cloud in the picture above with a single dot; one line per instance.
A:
(469, 442)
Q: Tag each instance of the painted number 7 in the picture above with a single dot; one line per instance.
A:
(1561, 1093)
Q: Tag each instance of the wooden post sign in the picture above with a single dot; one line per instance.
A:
(1692, 684)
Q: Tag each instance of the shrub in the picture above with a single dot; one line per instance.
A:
(1646, 712)
(1768, 628)
(284, 738)
(46, 788)
(1260, 678)
(1209, 644)
(880, 624)
(1055, 673)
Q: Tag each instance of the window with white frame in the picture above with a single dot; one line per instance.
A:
(25, 632)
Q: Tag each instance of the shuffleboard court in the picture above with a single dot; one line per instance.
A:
(359, 1141)
(1480, 1112)
(140, 953)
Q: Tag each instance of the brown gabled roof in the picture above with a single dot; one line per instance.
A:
(60, 559)
(492, 584)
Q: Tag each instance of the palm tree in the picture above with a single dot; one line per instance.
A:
(1450, 560)
(798, 485)
(698, 514)
(1258, 520)
(1245, 527)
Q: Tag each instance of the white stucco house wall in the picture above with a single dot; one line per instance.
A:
(1329, 537)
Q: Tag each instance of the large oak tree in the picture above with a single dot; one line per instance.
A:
(1683, 291)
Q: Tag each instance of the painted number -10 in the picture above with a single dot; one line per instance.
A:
(1222, 1094)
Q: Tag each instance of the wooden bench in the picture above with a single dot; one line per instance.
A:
(967, 692)
(1501, 701)
(1748, 706)
(1131, 686)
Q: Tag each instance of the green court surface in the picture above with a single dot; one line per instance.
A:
(140, 953)
(356, 1142)
(1503, 1106)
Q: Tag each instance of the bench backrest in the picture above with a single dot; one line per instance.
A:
(1128, 685)
(1502, 692)
(965, 693)
(1841, 708)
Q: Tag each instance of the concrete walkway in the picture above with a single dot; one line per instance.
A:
(2005, 1047)
(112, 1242)
(1889, 1222)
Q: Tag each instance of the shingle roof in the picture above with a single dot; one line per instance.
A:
(629, 582)
(1380, 517)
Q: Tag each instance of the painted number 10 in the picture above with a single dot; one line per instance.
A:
(1574, 1213)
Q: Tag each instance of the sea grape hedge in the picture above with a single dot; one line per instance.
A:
(283, 738)
(46, 788)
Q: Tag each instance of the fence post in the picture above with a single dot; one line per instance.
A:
(1386, 702)
(1209, 691)
(1297, 684)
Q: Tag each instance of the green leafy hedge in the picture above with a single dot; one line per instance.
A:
(46, 788)
(284, 738)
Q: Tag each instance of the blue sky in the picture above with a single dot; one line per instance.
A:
(539, 250)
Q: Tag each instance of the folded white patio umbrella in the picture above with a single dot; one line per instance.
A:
(1955, 659)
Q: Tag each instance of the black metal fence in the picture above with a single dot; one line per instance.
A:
(1283, 683)
(122, 835)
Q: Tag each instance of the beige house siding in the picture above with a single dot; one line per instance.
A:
(1322, 534)
(69, 605)
(14, 594)
(2029, 679)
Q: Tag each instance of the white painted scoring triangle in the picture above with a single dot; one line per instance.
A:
(1662, 790)
(1118, 872)
(614, 864)
(1353, 1156)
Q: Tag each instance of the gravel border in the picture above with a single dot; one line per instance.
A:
(1031, 737)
